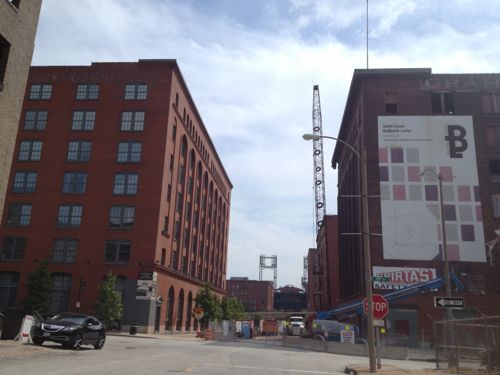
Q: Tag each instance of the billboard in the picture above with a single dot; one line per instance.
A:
(400, 277)
(410, 210)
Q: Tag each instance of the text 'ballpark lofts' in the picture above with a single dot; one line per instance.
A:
(114, 171)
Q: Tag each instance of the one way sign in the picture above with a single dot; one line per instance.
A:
(449, 302)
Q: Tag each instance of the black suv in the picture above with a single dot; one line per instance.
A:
(71, 330)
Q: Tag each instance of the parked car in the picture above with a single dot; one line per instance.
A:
(72, 330)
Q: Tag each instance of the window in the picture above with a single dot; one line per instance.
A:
(173, 259)
(87, 92)
(178, 206)
(177, 231)
(182, 174)
(35, 120)
(169, 192)
(136, 91)
(61, 286)
(493, 136)
(174, 132)
(79, 151)
(165, 225)
(19, 214)
(83, 120)
(391, 102)
(65, 250)
(442, 103)
(70, 216)
(15, 3)
(30, 150)
(8, 289)
(171, 165)
(40, 91)
(129, 152)
(163, 256)
(13, 248)
(24, 182)
(117, 251)
(133, 121)
(126, 184)
(121, 217)
(74, 182)
(4, 57)
(491, 102)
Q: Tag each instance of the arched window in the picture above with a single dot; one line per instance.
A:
(189, 311)
(169, 308)
(180, 310)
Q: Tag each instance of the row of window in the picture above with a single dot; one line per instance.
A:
(70, 216)
(89, 91)
(65, 249)
(79, 151)
(36, 119)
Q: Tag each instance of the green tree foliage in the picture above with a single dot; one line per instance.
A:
(210, 304)
(109, 303)
(232, 309)
(38, 287)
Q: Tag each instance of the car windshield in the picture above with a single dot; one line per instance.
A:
(70, 318)
(296, 320)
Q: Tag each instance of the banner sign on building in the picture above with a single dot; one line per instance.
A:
(410, 209)
(400, 277)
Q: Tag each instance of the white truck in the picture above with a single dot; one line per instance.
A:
(296, 325)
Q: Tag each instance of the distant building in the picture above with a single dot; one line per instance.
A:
(18, 24)
(115, 171)
(254, 295)
(323, 263)
(408, 121)
(290, 298)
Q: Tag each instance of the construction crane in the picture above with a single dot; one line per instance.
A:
(319, 174)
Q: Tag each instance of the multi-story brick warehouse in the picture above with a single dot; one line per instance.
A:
(114, 171)
(410, 121)
(18, 24)
(255, 295)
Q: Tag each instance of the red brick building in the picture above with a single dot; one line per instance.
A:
(114, 171)
(253, 294)
(410, 121)
(323, 267)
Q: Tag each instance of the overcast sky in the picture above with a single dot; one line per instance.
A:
(250, 66)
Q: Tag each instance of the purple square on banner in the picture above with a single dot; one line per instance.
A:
(464, 193)
(476, 194)
(449, 212)
(431, 193)
(468, 233)
(382, 155)
(413, 174)
(453, 252)
(384, 173)
(479, 213)
(397, 155)
(447, 174)
(399, 192)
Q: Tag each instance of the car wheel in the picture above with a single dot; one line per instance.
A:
(76, 344)
(100, 342)
(37, 341)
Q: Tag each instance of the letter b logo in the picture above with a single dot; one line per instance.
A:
(456, 140)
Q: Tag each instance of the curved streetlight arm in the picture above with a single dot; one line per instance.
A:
(314, 137)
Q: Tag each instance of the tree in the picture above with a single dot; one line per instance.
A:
(232, 309)
(38, 287)
(210, 304)
(109, 303)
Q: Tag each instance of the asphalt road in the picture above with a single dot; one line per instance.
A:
(150, 356)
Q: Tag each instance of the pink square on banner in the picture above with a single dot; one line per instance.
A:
(382, 155)
(479, 213)
(413, 174)
(399, 192)
(464, 193)
(453, 252)
(447, 174)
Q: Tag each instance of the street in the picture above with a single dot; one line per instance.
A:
(170, 354)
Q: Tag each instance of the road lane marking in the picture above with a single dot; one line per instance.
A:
(287, 370)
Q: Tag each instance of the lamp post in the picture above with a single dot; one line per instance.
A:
(446, 269)
(366, 241)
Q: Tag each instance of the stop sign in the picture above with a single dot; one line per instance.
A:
(380, 306)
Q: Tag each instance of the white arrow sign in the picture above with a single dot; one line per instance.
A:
(453, 302)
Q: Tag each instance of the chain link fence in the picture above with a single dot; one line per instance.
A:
(468, 344)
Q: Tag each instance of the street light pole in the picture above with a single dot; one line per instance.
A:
(366, 242)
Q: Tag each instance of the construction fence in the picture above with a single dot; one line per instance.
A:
(468, 344)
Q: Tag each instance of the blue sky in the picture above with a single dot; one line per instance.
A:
(250, 66)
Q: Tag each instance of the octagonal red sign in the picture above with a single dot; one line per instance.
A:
(380, 306)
